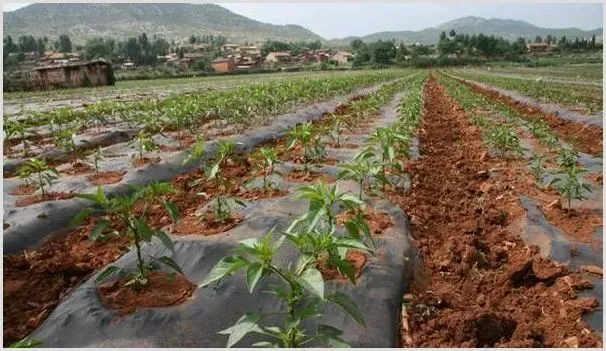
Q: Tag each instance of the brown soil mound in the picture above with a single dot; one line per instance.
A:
(30, 200)
(356, 258)
(259, 193)
(298, 176)
(77, 168)
(163, 290)
(138, 162)
(109, 177)
(588, 138)
(36, 280)
(24, 190)
(206, 225)
(377, 221)
(479, 284)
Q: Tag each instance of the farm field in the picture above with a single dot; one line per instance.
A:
(578, 97)
(132, 90)
(303, 210)
(578, 73)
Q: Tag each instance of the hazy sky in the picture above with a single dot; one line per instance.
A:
(334, 20)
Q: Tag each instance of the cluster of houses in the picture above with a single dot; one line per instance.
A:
(235, 57)
(54, 69)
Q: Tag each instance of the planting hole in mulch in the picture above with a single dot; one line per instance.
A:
(260, 193)
(377, 221)
(356, 258)
(77, 168)
(311, 176)
(138, 162)
(30, 200)
(24, 190)
(205, 225)
(163, 289)
(109, 177)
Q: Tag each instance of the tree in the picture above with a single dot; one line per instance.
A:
(383, 52)
(538, 39)
(453, 33)
(401, 54)
(65, 44)
(549, 39)
(357, 44)
(9, 45)
(41, 46)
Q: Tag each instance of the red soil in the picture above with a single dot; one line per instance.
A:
(36, 280)
(138, 162)
(162, 290)
(205, 225)
(24, 190)
(109, 177)
(77, 168)
(377, 221)
(588, 138)
(356, 258)
(30, 200)
(479, 284)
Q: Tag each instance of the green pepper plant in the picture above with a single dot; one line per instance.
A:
(121, 218)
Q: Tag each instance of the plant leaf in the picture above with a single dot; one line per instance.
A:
(311, 279)
(348, 305)
(246, 324)
(165, 239)
(170, 263)
(347, 269)
(107, 272)
(97, 231)
(254, 273)
(225, 267)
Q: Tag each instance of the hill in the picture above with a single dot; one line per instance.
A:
(122, 20)
(179, 21)
(508, 29)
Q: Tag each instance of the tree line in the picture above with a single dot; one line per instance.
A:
(463, 48)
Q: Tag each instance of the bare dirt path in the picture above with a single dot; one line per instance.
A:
(479, 284)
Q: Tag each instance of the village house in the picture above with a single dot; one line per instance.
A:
(91, 73)
(230, 48)
(342, 57)
(539, 47)
(224, 65)
(274, 57)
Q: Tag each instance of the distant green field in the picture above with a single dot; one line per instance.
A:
(160, 86)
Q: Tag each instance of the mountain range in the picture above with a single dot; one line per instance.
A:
(174, 21)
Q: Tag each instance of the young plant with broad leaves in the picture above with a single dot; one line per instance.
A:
(66, 140)
(392, 144)
(121, 218)
(144, 143)
(537, 166)
(505, 139)
(268, 157)
(95, 158)
(365, 169)
(44, 173)
(300, 288)
(214, 172)
(570, 184)
(17, 129)
(313, 148)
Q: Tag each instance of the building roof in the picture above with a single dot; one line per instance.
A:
(278, 53)
(219, 60)
(73, 64)
(538, 44)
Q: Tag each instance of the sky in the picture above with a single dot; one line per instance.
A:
(337, 20)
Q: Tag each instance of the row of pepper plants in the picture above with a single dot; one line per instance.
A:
(588, 97)
(567, 179)
(316, 234)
